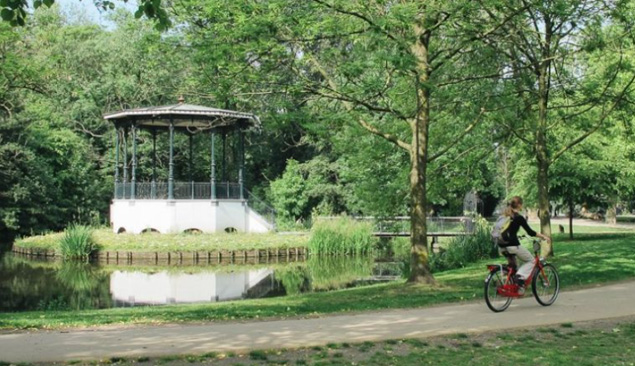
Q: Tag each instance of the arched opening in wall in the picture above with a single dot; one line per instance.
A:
(121, 230)
(231, 230)
(150, 230)
(193, 231)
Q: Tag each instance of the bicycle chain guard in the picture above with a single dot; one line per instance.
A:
(509, 290)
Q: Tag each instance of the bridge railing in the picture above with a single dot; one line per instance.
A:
(436, 225)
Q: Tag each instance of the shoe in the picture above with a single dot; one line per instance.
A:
(519, 281)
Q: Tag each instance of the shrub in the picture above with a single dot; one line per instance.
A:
(342, 235)
(77, 242)
(463, 250)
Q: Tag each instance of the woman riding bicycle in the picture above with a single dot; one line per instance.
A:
(512, 245)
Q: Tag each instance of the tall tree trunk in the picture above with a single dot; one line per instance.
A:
(419, 253)
(542, 155)
(570, 219)
(543, 203)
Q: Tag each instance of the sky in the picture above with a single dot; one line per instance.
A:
(88, 9)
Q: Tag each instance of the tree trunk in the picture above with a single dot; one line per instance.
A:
(571, 220)
(419, 253)
(543, 205)
(611, 214)
(542, 156)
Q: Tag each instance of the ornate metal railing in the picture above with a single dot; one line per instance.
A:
(182, 191)
(262, 208)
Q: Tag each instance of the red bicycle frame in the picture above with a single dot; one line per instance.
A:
(510, 288)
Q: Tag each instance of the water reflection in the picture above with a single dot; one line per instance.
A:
(27, 284)
(129, 288)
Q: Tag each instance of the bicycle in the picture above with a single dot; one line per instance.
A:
(501, 287)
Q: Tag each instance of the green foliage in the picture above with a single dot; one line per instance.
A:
(463, 250)
(341, 235)
(308, 188)
(77, 242)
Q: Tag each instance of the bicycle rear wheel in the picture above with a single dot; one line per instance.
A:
(493, 299)
(546, 285)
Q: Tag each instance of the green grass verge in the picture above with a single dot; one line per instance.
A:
(590, 259)
(106, 240)
(626, 219)
(581, 229)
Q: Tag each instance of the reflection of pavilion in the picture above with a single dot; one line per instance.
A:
(130, 288)
(173, 207)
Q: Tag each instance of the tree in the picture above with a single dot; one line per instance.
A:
(56, 81)
(567, 58)
(403, 72)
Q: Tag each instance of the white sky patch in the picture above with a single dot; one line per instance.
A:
(87, 10)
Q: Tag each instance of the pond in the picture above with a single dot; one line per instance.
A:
(29, 284)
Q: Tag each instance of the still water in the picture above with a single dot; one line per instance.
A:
(28, 284)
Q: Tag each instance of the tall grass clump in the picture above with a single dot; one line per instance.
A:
(77, 242)
(342, 235)
(463, 250)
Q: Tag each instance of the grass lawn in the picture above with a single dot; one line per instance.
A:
(151, 242)
(607, 342)
(581, 229)
(626, 219)
(590, 259)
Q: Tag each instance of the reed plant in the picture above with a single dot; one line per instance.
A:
(77, 242)
(342, 235)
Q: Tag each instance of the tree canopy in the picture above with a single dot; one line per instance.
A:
(369, 107)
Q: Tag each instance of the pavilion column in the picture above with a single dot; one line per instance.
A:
(213, 168)
(225, 164)
(171, 164)
(153, 187)
(125, 162)
(241, 162)
(191, 165)
(134, 163)
(224, 156)
(118, 131)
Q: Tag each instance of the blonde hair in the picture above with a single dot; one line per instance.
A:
(512, 205)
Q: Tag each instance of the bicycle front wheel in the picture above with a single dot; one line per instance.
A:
(493, 299)
(546, 285)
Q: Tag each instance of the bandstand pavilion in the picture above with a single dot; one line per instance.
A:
(174, 207)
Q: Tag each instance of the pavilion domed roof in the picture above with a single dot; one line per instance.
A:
(184, 115)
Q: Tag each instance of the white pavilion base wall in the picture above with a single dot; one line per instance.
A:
(135, 216)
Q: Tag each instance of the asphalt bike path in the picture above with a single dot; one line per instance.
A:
(596, 303)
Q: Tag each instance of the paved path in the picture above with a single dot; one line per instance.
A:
(596, 303)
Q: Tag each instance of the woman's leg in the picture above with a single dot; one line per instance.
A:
(528, 263)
